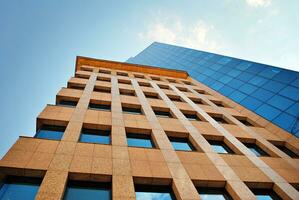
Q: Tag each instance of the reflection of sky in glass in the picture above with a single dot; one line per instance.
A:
(218, 148)
(139, 142)
(92, 138)
(153, 196)
(16, 191)
(49, 134)
(181, 146)
(263, 197)
(212, 196)
(77, 193)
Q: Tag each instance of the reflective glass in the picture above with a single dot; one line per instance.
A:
(220, 147)
(19, 188)
(79, 190)
(139, 140)
(95, 136)
(153, 193)
(213, 194)
(181, 144)
(50, 132)
(255, 149)
(265, 194)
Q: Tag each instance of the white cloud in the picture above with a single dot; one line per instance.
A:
(197, 35)
(258, 3)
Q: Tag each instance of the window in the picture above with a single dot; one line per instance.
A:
(197, 101)
(183, 89)
(130, 110)
(122, 74)
(155, 78)
(219, 119)
(287, 151)
(245, 122)
(213, 194)
(154, 192)
(76, 86)
(181, 144)
(95, 136)
(86, 69)
(67, 103)
(192, 117)
(255, 149)
(265, 194)
(102, 89)
(171, 80)
(77, 190)
(50, 132)
(104, 71)
(103, 107)
(220, 147)
(19, 188)
(187, 82)
(124, 81)
(201, 91)
(160, 113)
(139, 140)
(106, 79)
(85, 76)
(175, 98)
(164, 86)
(218, 103)
(127, 92)
(144, 84)
(151, 95)
(138, 76)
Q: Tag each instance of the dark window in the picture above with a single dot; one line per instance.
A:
(175, 98)
(197, 101)
(245, 122)
(171, 80)
(265, 194)
(124, 81)
(182, 89)
(255, 149)
(87, 69)
(103, 107)
(127, 92)
(95, 136)
(287, 151)
(77, 190)
(145, 84)
(135, 111)
(121, 74)
(187, 82)
(85, 76)
(154, 192)
(77, 87)
(181, 144)
(67, 103)
(220, 147)
(151, 95)
(139, 140)
(102, 89)
(219, 119)
(104, 79)
(50, 132)
(218, 103)
(104, 71)
(192, 117)
(155, 78)
(163, 113)
(164, 86)
(213, 194)
(138, 76)
(201, 91)
(15, 188)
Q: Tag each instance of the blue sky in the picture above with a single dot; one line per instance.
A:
(39, 41)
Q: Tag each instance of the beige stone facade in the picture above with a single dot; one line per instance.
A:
(56, 162)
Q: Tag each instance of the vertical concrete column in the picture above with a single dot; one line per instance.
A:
(122, 181)
(53, 184)
(281, 184)
(234, 184)
(182, 184)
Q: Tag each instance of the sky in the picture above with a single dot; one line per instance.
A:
(39, 42)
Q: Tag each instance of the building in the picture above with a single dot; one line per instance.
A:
(271, 92)
(126, 131)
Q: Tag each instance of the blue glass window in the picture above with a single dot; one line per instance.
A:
(139, 140)
(18, 188)
(290, 92)
(268, 112)
(273, 86)
(181, 144)
(251, 103)
(213, 194)
(95, 136)
(258, 81)
(67, 103)
(255, 149)
(78, 190)
(247, 88)
(50, 132)
(237, 96)
(153, 192)
(103, 107)
(131, 110)
(192, 117)
(220, 147)
(287, 151)
(262, 94)
(160, 113)
(287, 121)
(280, 102)
(265, 194)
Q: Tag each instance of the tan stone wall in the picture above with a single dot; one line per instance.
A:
(58, 161)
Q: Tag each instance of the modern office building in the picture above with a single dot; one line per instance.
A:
(271, 92)
(128, 131)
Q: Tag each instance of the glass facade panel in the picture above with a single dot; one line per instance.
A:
(50, 132)
(220, 147)
(152, 192)
(139, 140)
(95, 136)
(253, 85)
(262, 194)
(255, 149)
(213, 194)
(181, 144)
(78, 190)
(18, 188)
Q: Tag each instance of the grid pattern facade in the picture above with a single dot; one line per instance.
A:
(269, 91)
(156, 108)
